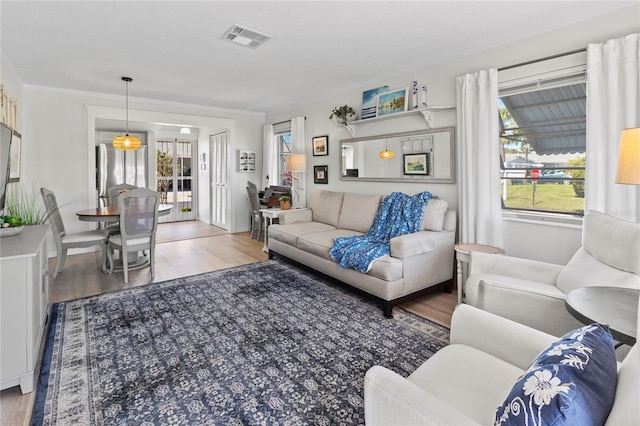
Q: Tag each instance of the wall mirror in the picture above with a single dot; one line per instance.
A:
(419, 156)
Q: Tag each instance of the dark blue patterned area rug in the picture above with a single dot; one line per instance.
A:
(265, 343)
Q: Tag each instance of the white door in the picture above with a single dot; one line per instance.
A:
(219, 180)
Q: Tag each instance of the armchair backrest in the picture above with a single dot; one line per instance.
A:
(609, 256)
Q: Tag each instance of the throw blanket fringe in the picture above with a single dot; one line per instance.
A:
(398, 214)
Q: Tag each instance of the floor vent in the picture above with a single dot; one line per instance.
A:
(245, 36)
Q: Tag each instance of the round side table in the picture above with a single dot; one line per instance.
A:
(463, 254)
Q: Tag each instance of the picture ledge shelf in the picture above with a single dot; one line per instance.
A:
(427, 114)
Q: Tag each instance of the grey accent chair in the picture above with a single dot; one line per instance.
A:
(65, 241)
(138, 225)
(256, 216)
(533, 293)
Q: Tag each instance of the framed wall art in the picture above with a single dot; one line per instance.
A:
(14, 162)
(369, 101)
(416, 164)
(320, 174)
(320, 145)
(392, 102)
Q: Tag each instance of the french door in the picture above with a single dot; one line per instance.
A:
(175, 179)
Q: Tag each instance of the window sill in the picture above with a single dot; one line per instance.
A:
(546, 219)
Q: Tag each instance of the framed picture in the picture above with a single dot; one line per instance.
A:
(416, 164)
(369, 101)
(320, 145)
(320, 174)
(14, 162)
(392, 102)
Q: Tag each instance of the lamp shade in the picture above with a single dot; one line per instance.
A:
(386, 154)
(295, 163)
(629, 157)
(126, 143)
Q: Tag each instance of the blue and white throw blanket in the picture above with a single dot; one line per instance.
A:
(398, 214)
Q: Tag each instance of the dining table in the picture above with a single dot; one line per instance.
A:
(112, 214)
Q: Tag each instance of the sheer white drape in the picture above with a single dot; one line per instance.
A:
(269, 158)
(298, 138)
(479, 158)
(613, 104)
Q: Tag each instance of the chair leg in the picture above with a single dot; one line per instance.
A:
(125, 265)
(62, 257)
(152, 262)
(110, 258)
(103, 246)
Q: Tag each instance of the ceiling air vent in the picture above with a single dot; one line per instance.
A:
(245, 36)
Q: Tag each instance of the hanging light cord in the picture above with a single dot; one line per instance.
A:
(126, 91)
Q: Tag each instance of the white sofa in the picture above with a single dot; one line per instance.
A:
(418, 261)
(464, 383)
(533, 293)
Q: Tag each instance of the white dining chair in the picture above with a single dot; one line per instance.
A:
(65, 241)
(138, 225)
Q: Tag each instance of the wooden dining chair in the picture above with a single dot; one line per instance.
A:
(138, 225)
(65, 241)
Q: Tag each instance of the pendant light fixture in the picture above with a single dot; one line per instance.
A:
(126, 142)
(386, 154)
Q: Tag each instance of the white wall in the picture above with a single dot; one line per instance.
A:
(529, 240)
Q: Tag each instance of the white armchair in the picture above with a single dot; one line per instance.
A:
(464, 382)
(533, 293)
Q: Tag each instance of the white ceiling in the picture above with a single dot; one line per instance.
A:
(173, 50)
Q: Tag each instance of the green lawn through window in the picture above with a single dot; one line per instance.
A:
(550, 197)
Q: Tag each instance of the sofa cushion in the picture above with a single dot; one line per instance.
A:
(571, 382)
(433, 216)
(289, 233)
(467, 378)
(599, 230)
(386, 268)
(358, 211)
(326, 206)
(320, 243)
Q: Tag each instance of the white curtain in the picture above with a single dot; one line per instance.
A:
(269, 158)
(298, 138)
(613, 104)
(479, 158)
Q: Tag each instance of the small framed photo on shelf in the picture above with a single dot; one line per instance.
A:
(416, 164)
(392, 102)
(369, 101)
(320, 174)
(320, 145)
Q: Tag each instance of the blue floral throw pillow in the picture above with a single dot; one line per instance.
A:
(572, 382)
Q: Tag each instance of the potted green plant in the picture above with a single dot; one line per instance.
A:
(342, 115)
(285, 202)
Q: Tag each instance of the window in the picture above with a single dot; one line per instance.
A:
(543, 136)
(282, 135)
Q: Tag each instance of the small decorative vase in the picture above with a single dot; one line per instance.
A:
(285, 205)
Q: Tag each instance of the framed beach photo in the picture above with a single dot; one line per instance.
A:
(320, 145)
(416, 164)
(369, 101)
(392, 102)
(320, 174)
(14, 162)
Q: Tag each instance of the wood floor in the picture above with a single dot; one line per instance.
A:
(200, 248)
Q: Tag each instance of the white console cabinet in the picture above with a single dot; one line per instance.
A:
(24, 305)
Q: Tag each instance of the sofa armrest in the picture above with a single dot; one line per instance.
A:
(510, 341)
(417, 243)
(485, 263)
(295, 216)
(390, 399)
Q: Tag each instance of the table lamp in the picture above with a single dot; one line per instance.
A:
(295, 163)
(629, 161)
